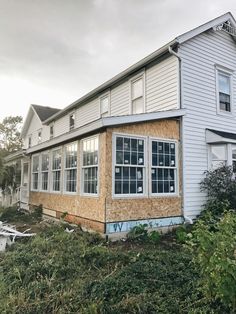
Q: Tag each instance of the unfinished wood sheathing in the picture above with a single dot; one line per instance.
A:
(123, 209)
(90, 208)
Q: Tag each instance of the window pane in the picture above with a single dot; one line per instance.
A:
(137, 105)
(72, 121)
(218, 152)
(137, 88)
(104, 103)
(224, 83)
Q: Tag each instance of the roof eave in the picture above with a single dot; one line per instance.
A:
(115, 79)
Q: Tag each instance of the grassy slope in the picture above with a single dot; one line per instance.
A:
(57, 272)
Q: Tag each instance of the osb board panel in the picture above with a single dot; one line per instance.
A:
(78, 205)
(146, 207)
(89, 224)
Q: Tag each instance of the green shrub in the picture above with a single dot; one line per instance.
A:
(140, 233)
(220, 185)
(214, 252)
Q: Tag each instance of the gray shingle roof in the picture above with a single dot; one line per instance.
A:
(44, 112)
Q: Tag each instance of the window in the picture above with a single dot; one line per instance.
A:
(44, 171)
(56, 170)
(35, 172)
(72, 121)
(39, 136)
(90, 166)
(137, 95)
(218, 156)
(234, 158)
(29, 141)
(163, 167)
(224, 91)
(104, 105)
(129, 165)
(51, 131)
(71, 167)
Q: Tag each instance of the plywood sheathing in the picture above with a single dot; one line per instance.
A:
(142, 208)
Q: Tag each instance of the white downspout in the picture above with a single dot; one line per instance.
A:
(172, 52)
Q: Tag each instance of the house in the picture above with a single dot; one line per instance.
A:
(134, 149)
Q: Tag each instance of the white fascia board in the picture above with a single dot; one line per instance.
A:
(106, 122)
(110, 121)
(212, 138)
(200, 29)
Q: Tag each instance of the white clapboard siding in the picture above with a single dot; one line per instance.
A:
(120, 99)
(61, 125)
(87, 113)
(162, 85)
(199, 57)
(34, 126)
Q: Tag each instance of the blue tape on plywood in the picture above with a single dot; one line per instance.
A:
(125, 226)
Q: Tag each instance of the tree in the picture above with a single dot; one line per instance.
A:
(10, 140)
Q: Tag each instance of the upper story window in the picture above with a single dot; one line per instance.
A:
(29, 141)
(51, 130)
(71, 167)
(234, 158)
(224, 91)
(39, 136)
(72, 121)
(137, 95)
(104, 105)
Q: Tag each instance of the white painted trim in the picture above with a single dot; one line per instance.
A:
(64, 169)
(212, 138)
(145, 167)
(136, 77)
(82, 193)
(104, 95)
(176, 168)
(229, 73)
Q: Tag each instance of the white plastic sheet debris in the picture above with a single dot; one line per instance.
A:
(9, 233)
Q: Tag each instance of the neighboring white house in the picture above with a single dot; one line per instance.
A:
(134, 149)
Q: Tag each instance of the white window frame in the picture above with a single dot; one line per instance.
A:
(44, 171)
(140, 75)
(39, 137)
(71, 168)
(145, 168)
(82, 167)
(72, 127)
(108, 95)
(29, 144)
(51, 170)
(34, 172)
(176, 168)
(227, 154)
(227, 72)
(51, 126)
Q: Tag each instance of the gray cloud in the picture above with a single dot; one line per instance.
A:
(69, 47)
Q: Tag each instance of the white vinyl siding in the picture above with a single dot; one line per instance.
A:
(87, 113)
(162, 85)
(200, 56)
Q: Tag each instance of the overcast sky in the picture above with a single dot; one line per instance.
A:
(52, 52)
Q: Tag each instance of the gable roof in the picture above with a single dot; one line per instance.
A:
(44, 112)
(41, 112)
(143, 62)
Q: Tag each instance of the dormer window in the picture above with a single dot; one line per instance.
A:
(72, 121)
(224, 91)
(104, 105)
(51, 131)
(29, 141)
(137, 95)
(39, 136)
